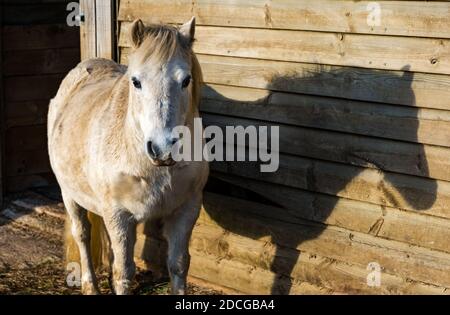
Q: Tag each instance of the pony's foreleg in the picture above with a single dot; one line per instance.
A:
(121, 227)
(177, 231)
(81, 232)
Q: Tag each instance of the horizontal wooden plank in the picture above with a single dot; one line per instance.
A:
(245, 278)
(152, 252)
(394, 122)
(367, 51)
(40, 62)
(364, 184)
(29, 88)
(27, 163)
(44, 36)
(408, 262)
(37, 13)
(391, 87)
(26, 138)
(26, 113)
(211, 241)
(407, 18)
(413, 159)
(298, 205)
(24, 182)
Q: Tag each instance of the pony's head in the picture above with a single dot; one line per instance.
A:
(164, 77)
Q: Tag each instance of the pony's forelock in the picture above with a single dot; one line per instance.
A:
(159, 43)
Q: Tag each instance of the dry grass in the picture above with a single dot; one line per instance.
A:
(49, 278)
(31, 258)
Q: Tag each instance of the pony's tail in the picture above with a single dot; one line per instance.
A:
(100, 246)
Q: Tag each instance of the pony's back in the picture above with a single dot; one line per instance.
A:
(86, 72)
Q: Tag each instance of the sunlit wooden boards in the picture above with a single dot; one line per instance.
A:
(315, 242)
(391, 87)
(240, 245)
(88, 46)
(97, 31)
(407, 18)
(386, 52)
(363, 112)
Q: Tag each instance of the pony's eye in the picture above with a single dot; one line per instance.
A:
(136, 82)
(186, 82)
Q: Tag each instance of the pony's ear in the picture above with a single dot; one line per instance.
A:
(137, 33)
(187, 30)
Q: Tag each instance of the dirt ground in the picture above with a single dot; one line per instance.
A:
(31, 250)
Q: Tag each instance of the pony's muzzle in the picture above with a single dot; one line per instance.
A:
(160, 155)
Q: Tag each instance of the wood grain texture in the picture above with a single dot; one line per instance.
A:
(245, 278)
(413, 159)
(37, 12)
(104, 29)
(406, 18)
(35, 59)
(24, 182)
(267, 248)
(245, 218)
(366, 51)
(26, 113)
(28, 88)
(26, 138)
(27, 37)
(88, 29)
(39, 62)
(363, 184)
(391, 87)
(371, 119)
(248, 254)
(296, 205)
(28, 163)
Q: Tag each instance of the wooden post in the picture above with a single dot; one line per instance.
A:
(97, 30)
(105, 28)
(88, 29)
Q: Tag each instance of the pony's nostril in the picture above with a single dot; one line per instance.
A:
(152, 150)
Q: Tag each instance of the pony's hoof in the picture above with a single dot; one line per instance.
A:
(90, 290)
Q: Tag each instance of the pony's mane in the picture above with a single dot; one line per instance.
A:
(159, 43)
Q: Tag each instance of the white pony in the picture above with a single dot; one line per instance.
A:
(110, 141)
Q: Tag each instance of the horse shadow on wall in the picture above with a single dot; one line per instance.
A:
(326, 145)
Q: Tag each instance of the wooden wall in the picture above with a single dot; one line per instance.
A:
(38, 50)
(364, 116)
